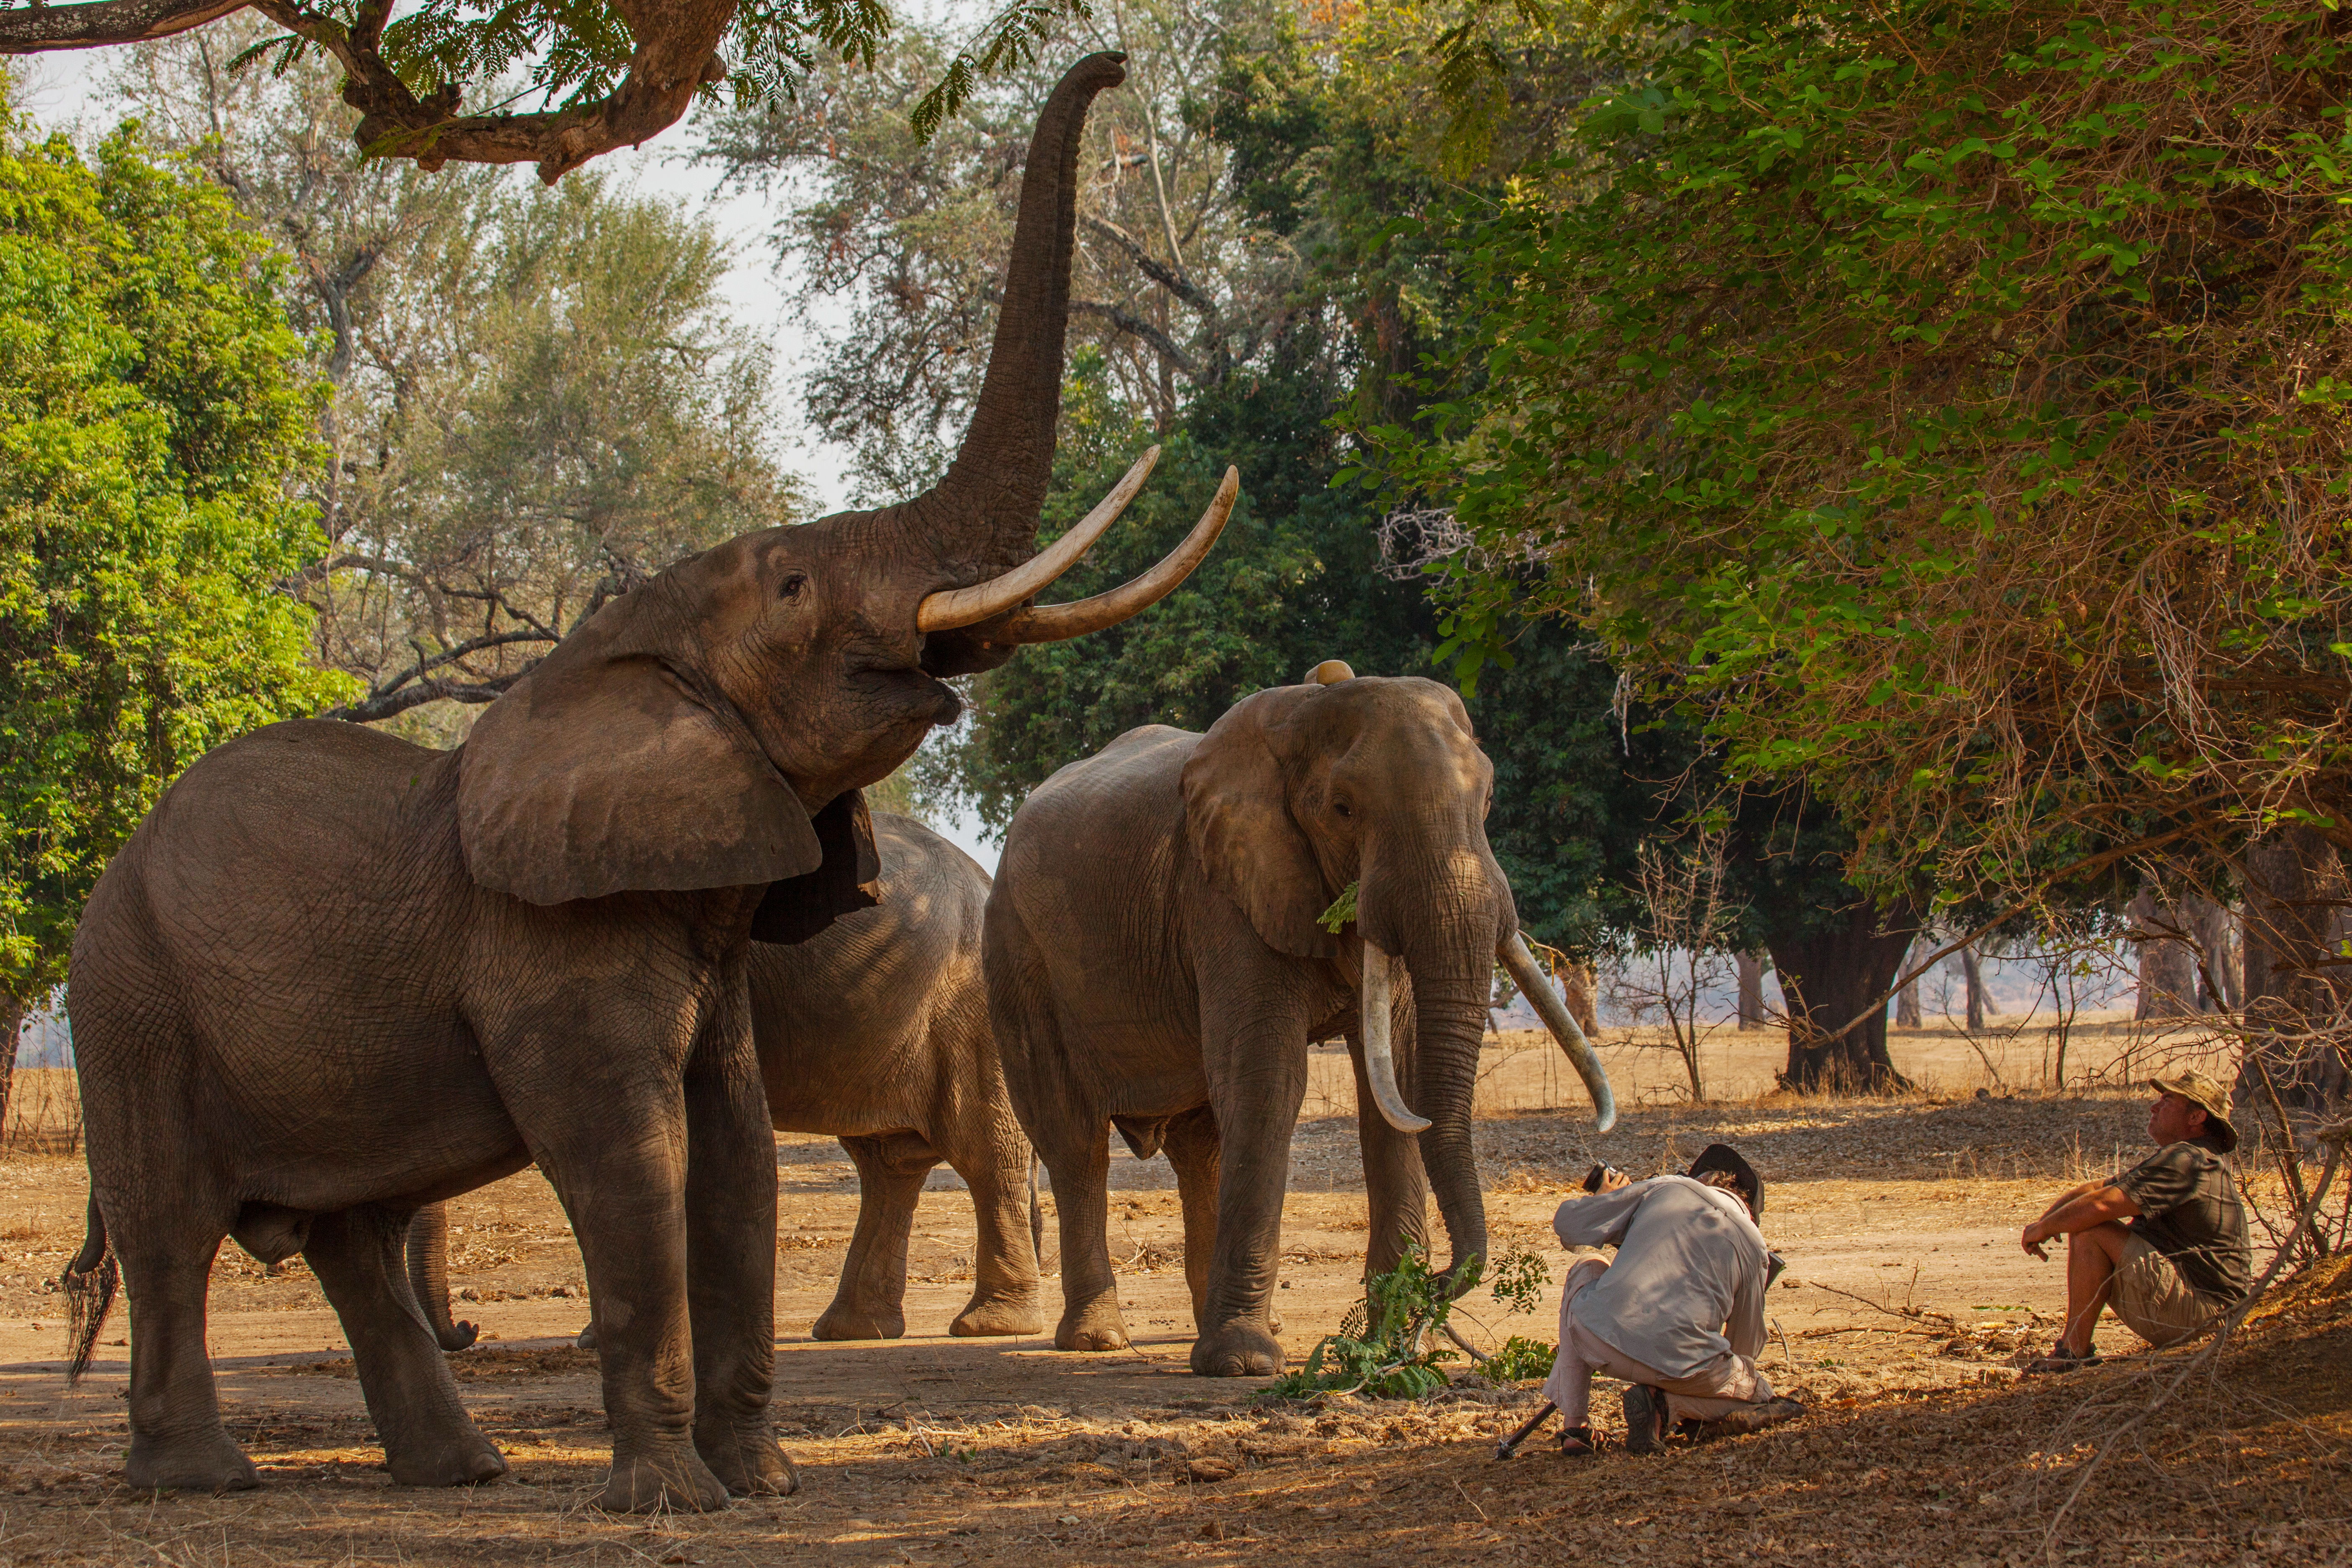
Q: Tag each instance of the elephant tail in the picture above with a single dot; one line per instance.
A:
(89, 1283)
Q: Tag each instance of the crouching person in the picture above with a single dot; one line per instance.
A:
(1679, 1314)
(2164, 1244)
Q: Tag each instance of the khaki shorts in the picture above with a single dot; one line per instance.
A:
(2152, 1299)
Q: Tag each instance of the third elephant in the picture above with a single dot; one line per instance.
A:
(876, 1031)
(1177, 998)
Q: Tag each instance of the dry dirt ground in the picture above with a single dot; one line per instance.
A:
(1905, 1301)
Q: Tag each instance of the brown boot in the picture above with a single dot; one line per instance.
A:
(1752, 1418)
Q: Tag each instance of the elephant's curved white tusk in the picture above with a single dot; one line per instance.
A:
(1052, 623)
(1536, 986)
(1380, 1057)
(953, 607)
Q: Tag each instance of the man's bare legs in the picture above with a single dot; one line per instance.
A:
(2091, 1263)
(2092, 1257)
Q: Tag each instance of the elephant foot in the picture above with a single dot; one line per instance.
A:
(586, 1340)
(458, 1336)
(1238, 1349)
(675, 1478)
(998, 1315)
(847, 1321)
(207, 1462)
(1096, 1328)
(463, 1462)
(748, 1462)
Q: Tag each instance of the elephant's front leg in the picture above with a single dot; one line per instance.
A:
(730, 1224)
(1257, 1078)
(625, 1193)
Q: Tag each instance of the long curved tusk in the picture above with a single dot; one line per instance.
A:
(1052, 623)
(1380, 1058)
(1536, 986)
(953, 607)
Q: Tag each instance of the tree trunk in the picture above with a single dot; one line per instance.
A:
(1826, 978)
(1906, 1001)
(2291, 876)
(1751, 991)
(12, 1026)
(1579, 988)
(1972, 982)
(2224, 966)
(2167, 966)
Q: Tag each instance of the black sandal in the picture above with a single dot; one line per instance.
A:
(2061, 1359)
(1580, 1443)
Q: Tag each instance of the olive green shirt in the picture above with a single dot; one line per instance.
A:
(2191, 1212)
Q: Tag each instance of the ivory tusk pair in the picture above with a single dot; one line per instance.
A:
(956, 607)
(1536, 986)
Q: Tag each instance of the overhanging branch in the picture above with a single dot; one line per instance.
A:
(36, 29)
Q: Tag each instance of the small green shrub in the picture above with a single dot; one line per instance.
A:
(1386, 1346)
(1519, 1357)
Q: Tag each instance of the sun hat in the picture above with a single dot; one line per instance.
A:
(1724, 1157)
(2206, 1095)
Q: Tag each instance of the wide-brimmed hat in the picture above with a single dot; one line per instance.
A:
(2207, 1095)
(1724, 1157)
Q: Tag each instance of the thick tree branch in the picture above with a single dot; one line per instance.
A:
(677, 51)
(1160, 272)
(371, 708)
(36, 29)
(1128, 322)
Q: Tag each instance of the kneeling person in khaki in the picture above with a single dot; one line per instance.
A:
(2164, 1244)
(1679, 1314)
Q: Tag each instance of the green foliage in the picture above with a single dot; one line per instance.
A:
(154, 416)
(1386, 1347)
(1951, 402)
(1519, 1275)
(1342, 909)
(1519, 1359)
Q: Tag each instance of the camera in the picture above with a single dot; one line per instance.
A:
(1598, 1174)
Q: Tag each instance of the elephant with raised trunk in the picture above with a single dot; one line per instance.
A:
(334, 977)
(1177, 1000)
(876, 1031)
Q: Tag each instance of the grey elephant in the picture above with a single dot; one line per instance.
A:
(876, 1031)
(1177, 999)
(333, 977)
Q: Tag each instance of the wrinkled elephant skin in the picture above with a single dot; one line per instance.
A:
(875, 1032)
(1177, 1000)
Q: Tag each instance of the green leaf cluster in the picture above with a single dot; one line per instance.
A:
(1948, 399)
(1386, 1349)
(154, 418)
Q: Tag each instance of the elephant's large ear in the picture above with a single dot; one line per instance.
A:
(602, 772)
(850, 878)
(1237, 810)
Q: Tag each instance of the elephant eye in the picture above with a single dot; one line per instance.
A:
(1347, 812)
(792, 585)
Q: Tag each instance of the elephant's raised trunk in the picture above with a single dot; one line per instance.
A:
(985, 509)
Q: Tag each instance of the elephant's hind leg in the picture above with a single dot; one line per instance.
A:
(1004, 1261)
(871, 1301)
(359, 1256)
(176, 1436)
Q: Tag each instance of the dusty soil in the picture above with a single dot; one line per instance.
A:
(1905, 1303)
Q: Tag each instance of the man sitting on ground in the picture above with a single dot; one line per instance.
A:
(2165, 1243)
(1690, 1265)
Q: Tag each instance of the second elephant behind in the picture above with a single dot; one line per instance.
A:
(877, 1032)
(1176, 917)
